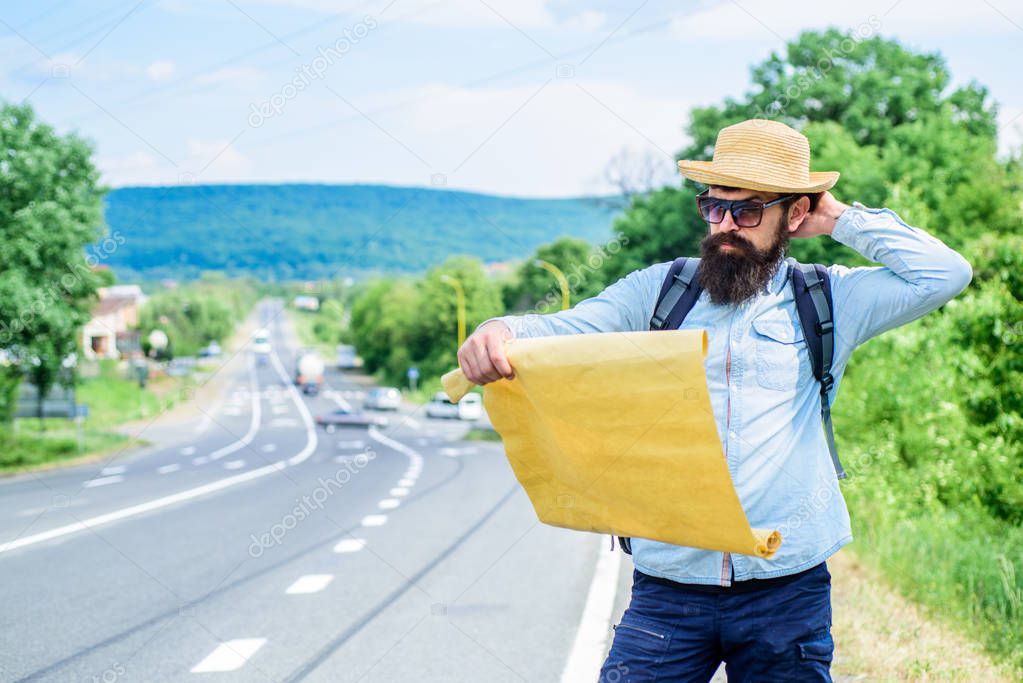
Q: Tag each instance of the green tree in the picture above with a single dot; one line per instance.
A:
(536, 287)
(872, 109)
(50, 210)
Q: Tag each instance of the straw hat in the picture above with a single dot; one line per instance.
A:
(760, 155)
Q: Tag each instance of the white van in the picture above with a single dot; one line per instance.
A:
(469, 408)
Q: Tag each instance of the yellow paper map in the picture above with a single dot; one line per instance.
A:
(614, 433)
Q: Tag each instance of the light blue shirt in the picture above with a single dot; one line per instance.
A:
(767, 404)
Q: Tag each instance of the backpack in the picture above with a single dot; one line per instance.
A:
(812, 290)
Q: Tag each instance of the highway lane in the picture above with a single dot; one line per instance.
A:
(396, 554)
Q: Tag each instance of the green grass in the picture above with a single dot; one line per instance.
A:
(960, 565)
(114, 399)
(480, 434)
(28, 445)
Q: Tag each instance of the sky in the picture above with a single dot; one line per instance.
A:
(512, 97)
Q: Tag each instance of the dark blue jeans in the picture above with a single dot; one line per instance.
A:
(774, 631)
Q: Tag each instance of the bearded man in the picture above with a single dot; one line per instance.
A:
(692, 609)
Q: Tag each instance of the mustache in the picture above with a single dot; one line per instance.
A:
(728, 238)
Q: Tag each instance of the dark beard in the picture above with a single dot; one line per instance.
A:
(735, 276)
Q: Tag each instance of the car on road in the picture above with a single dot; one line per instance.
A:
(211, 350)
(309, 372)
(346, 357)
(261, 342)
(382, 398)
(469, 408)
(344, 417)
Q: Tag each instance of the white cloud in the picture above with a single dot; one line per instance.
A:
(1010, 129)
(161, 70)
(204, 161)
(587, 21)
(772, 21)
(520, 14)
(514, 140)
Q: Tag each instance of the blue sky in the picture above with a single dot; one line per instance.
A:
(525, 97)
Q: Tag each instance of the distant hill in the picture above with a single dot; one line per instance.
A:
(299, 231)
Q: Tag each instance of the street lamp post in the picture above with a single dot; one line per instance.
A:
(562, 280)
(459, 303)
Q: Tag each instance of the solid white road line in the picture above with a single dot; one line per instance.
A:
(350, 545)
(388, 503)
(303, 411)
(590, 645)
(229, 656)
(103, 481)
(374, 520)
(234, 464)
(253, 422)
(113, 469)
(167, 469)
(187, 494)
(310, 583)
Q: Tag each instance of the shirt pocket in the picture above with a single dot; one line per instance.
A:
(783, 361)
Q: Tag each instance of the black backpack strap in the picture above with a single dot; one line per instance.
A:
(679, 293)
(812, 289)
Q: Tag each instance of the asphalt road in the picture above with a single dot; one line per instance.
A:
(250, 546)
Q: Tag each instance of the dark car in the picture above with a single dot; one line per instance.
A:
(342, 417)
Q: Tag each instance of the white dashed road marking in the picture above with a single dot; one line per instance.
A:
(188, 494)
(201, 460)
(310, 583)
(103, 481)
(399, 491)
(374, 520)
(167, 469)
(269, 448)
(407, 482)
(113, 469)
(355, 443)
(350, 545)
(229, 656)
(388, 503)
(234, 465)
(188, 450)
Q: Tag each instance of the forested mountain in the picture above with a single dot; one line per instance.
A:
(311, 231)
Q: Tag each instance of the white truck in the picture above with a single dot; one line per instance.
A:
(309, 372)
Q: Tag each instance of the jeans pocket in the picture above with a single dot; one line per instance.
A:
(636, 633)
(820, 648)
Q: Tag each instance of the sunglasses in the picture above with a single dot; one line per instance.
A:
(746, 213)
